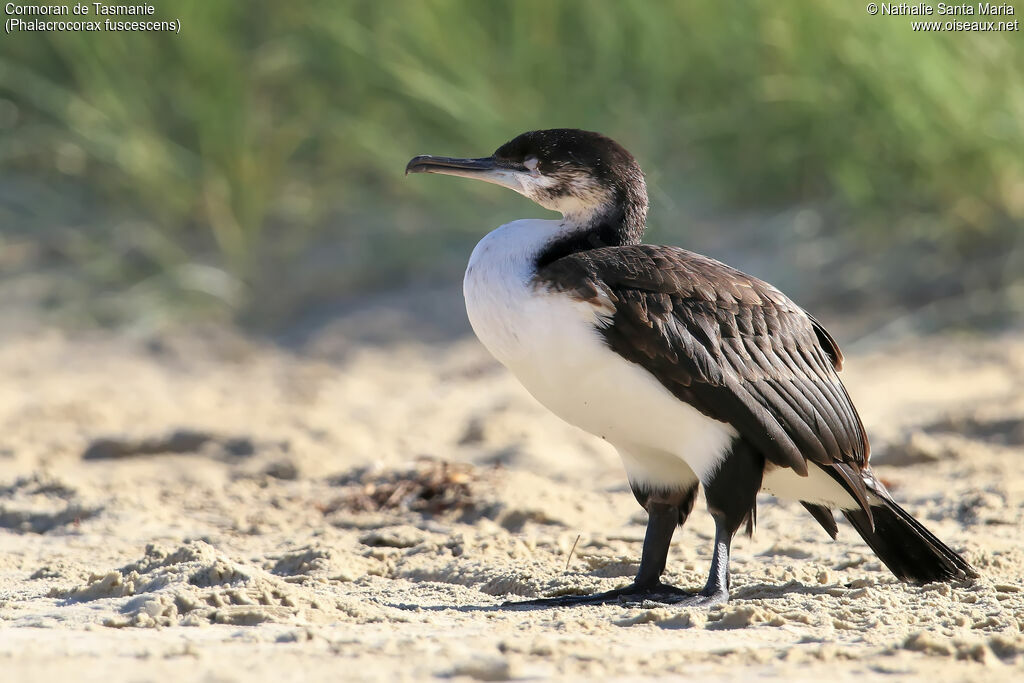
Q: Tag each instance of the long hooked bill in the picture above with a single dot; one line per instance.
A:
(488, 169)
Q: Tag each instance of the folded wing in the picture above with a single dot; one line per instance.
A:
(728, 344)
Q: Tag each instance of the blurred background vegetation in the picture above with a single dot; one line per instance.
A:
(250, 167)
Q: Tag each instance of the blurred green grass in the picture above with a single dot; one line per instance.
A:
(255, 159)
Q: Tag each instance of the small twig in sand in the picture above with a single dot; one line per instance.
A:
(573, 548)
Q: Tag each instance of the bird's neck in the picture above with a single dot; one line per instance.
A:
(614, 225)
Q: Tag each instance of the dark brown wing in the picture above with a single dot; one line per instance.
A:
(728, 344)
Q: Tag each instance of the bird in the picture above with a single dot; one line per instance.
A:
(699, 375)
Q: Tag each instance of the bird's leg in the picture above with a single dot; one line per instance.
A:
(661, 523)
(731, 496)
(716, 590)
(662, 518)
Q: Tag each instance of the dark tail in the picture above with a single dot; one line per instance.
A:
(912, 552)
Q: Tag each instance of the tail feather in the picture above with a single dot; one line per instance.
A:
(824, 517)
(906, 547)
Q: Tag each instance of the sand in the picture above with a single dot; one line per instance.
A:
(201, 505)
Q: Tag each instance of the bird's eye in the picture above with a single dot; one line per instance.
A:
(531, 164)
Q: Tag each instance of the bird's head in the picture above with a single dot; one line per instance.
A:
(585, 176)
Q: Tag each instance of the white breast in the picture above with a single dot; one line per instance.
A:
(552, 344)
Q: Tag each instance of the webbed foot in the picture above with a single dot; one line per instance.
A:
(632, 594)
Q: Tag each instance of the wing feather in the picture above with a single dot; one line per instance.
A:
(729, 344)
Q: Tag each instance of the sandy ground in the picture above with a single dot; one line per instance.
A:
(202, 506)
